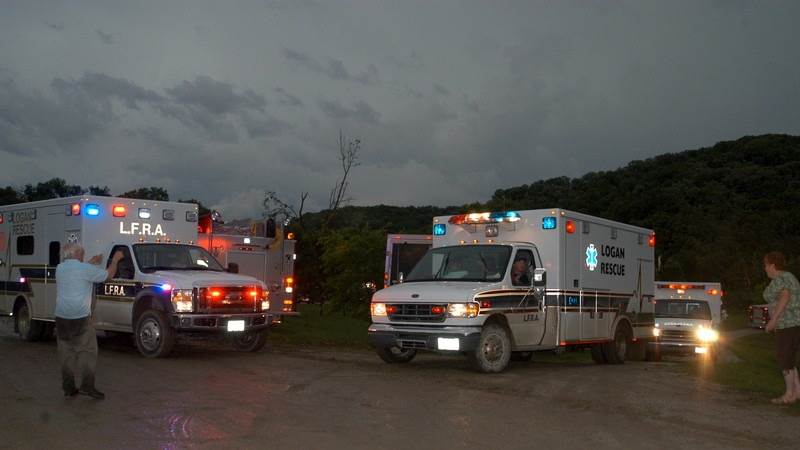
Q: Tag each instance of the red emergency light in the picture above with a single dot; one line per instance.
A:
(651, 241)
(570, 227)
(437, 309)
(76, 209)
(118, 211)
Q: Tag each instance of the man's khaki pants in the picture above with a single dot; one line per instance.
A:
(77, 352)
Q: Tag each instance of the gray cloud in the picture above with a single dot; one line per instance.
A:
(106, 38)
(216, 97)
(441, 90)
(287, 99)
(410, 61)
(361, 111)
(59, 26)
(334, 69)
(264, 126)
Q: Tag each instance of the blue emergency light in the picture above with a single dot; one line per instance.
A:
(92, 209)
(548, 223)
(439, 229)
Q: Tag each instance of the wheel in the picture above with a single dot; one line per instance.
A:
(494, 350)
(521, 356)
(251, 341)
(616, 350)
(597, 354)
(396, 354)
(154, 337)
(27, 328)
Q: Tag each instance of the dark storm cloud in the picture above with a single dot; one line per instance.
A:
(361, 111)
(55, 26)
(334, 69)
(106, 38)
(287, 99)
(264, 126)
(101, 87)
(216, 97)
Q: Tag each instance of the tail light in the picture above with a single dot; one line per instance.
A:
(288, 284)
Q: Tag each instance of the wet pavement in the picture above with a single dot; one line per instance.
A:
(209, 396)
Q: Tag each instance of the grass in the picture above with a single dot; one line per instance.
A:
(737, 319)
(757, 372)
(311, 328)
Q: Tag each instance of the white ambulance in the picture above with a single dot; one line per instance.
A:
(166, 285)
(259, 249)
(688, 315)
(502, 284)
(403, 251)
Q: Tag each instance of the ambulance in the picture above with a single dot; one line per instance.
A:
(687, 315)
(403, 251)
(259, 249)
(501, 285)
(165, 286)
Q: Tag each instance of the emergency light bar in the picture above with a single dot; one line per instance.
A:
(92, 209)
(439, 229)
(119, 211)
(486, 217)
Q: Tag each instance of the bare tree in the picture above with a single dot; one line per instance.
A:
(274, 206)
(348, 157)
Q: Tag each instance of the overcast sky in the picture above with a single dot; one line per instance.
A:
(452, 100)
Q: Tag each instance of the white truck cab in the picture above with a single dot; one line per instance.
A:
(165, 285)
(502, 284)
(687, 315)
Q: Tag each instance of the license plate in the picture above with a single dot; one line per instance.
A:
(447, 344)
(236, 325)
(701, 350)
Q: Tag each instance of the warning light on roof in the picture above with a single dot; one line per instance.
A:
(76, 209)
(486, 217)
(166, 287)
(144, 213)
(651, 241)
(549, 223)
(92, 210)
(570, 227)
(439, 229)
(118, 211)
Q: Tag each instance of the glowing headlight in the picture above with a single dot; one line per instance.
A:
(264, 305)
(707, 334)
(463, 309)
(378, 309)
(182, 300)
(656, 332)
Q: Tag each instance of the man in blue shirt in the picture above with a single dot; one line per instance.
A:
(77, 342)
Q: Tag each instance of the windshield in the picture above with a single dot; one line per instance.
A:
(687, 309)
(462, 263)
(152, 257)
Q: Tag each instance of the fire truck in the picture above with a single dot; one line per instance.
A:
(498, 285)
(166, 286)
(260, 249)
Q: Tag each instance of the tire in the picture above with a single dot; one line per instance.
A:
(616, 350)
(27, 328)
(597, 354)
(251, 341)
(153, 335)
(493, 351)
(521, 356)
(396, 355)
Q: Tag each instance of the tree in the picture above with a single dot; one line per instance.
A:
(148, 193)
(99, 191)
(53, 188)
(201, 210)
(9, 196)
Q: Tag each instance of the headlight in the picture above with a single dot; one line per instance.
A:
(182, 300)
(707, 334)
(468, 310)
(264, 305)
(656, 332)
(378, 309)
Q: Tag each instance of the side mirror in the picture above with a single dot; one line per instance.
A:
(539, 277)
(233, 268)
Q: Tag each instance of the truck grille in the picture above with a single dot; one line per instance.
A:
(228, 300)
(687, 335)
(416, 312)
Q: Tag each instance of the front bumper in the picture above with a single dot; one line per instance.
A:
(219, 322)
(680, 347)
(383, 335)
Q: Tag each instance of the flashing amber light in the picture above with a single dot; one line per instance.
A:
(254, 293)
(570, 226)
(651, 241)
(216, 294)
(714, 292)
(119, 211)
(76, 209)
(290, 236)
(437, 309)
(287, 302)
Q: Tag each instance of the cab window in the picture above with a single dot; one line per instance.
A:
(522, 268)
(125, 268)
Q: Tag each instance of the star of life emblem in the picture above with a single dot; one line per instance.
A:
(591, 257)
